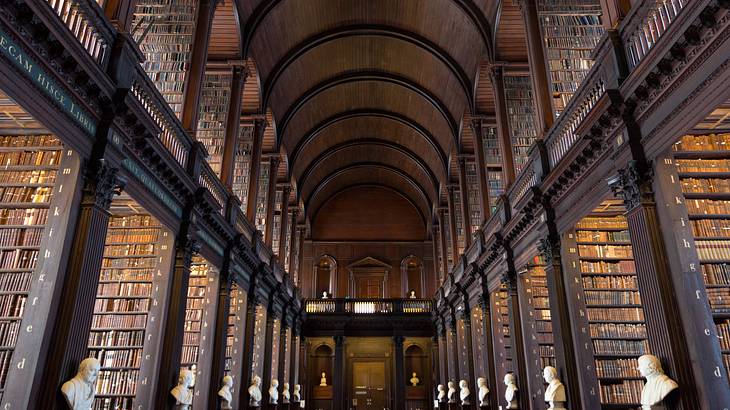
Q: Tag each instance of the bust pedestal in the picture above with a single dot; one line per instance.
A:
(272, 406)
(454, 406)
(469, 406)
(484, 407)
(443, 405)
(293, 405)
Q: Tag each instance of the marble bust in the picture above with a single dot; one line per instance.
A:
(254, 392)
(452, 392)
(658, 385)
(483, 391)
(325, 295)
(412, 295)
(441, 396)
(285, 396)
(510, 393)
(79, 392)
(323, 380)
(183, 393)
(225, 393)
(555, 391)
(274, 391)
(297, 395)
(414, 380)
(464, 392)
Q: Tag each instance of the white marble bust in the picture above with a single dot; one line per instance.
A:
(323, 380)
(464, 392)
(452, 392)
(510, 393)
(254, 392)
(285, 395)
(183, 392)
(79, 392)
(658, 384)
(441, 396)
(297, 395)
(325, 295)
(483, 391)
(412, 295)
(225, 393)
(555, 391)
(414, 380)
(274, 391)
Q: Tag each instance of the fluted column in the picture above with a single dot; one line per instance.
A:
(74, 315)
(259, 125)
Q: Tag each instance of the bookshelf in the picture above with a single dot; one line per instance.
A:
(123, 302)
(242, 164)
(231, 329)
(215, 97)
(259, 341)
(478, 343)
(163, 29)
(261, 198)
(472, 183)
(607, 276)
(463, 352)
(447, 235)
(493, 160)
(459, 222)
(703, 168)
(571, 30)
(276, 231)
(501, 330)
(275, 342)
(521, 117)
(30, 165)
(235, 340)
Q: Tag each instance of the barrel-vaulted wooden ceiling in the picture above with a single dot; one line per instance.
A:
(368, 92)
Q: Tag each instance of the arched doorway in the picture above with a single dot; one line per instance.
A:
(411, 269)
(325, 272)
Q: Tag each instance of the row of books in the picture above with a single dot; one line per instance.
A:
(602, 236)
(31, 176)
(609, 282)
(132, 235)
(118, 357)
(128, 263)
(620, 347)
(12, 305)
(711, 228)
(125, 289)
(214, 101)
(605, 251)
(119, 321)
(21, 237)
(117, 382)
(716, 273)
(705, 185)
(601, 267)
(24, 194)
(18, 259)
(707, 206)
(14, 281)
(616, 314)
(194, 311)
(9, 332)
(29, 217)
(617, 368)
(132, 221)
(116, 338)
(713, 250)
(112, 306)
(601, 223)
(626, 392)
(719, 299)
(703, 165)
(128, 274)
(617, 330)
(723, 334)
(24, 142)
(703, 142)
(36, 158)
(138, 249)
(612, 298)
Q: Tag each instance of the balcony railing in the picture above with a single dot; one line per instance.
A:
(368, 306)
(652, 20)
(86, 21)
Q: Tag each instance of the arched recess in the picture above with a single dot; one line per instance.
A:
(321, 360)
(412, 276)
(416, 365)
(325, 275)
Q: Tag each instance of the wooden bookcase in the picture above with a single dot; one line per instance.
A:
(472, 184)
(501, 331)
(571, 30)
(242, 164)
(493, 163)
(164, 31)
(703, 168)
(602, 267)
(30, 165)
(520, 116)
(215, 96)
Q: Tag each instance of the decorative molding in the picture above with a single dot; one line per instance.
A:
(633, 184)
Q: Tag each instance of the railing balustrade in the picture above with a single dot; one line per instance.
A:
(368, 306)
(209, 180)
(86, 22)
(658, 15)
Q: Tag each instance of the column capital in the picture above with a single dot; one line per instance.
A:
(102, 182)
(633, 184)
(398, 340)
(339, 340)
(549, 248)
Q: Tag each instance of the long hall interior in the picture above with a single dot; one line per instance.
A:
(364, 204)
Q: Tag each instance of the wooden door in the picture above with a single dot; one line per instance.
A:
(368, 382)
(369, 287)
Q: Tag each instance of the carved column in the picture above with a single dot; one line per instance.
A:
(400, 373)
(565, 354)
(198, 58)
(233, 125)
(538, 68)
(285, 191)
(465, 211)
(185, 247)
(220, 333)
(442, 239)
(519, 355)
(476, 125)
(661, 306)
(338, 383)
(496, 74)
(75, 313)
(255, 168)
(452, 225)
(271, 200)
(293, 243)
